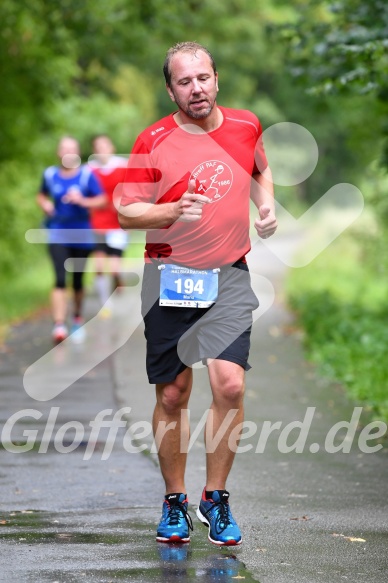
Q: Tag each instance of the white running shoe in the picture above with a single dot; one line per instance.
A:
(78, 333)
(59, 333)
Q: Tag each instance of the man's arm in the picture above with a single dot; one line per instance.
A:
(88, 202)
(45, 203)
(144, 216)
(262, 194)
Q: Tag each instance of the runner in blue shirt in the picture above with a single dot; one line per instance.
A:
(67, 193)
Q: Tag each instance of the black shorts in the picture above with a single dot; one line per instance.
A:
(62, 253)
(103, 247)
(180, 337)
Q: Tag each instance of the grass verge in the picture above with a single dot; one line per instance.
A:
(24, 293)
(341, 305)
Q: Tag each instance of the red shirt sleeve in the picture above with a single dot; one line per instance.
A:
(261, 161)
(140, 184)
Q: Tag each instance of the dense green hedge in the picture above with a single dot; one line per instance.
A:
(349, 343)
(19, 212)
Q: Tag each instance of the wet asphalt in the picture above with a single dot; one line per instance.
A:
(81, 502)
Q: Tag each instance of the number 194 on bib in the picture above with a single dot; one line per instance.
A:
(186, 287)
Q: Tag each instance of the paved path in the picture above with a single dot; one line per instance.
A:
(70, 517)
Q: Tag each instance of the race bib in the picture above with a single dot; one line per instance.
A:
(184, 287)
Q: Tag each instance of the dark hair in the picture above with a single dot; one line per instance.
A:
(185, 47)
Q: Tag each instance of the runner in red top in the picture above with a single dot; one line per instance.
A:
(190, 179)
(111, 239)
(222, 163)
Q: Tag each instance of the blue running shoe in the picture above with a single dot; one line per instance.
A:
(78, 334)
(215, 513)
(175, 523)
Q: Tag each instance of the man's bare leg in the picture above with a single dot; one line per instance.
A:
(78, 301)
(171, 398)
(227, 384)
(59, 304)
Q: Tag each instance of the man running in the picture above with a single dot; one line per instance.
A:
(111, 240)
(197, 300)
(67, 194)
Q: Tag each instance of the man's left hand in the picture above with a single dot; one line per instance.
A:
(267, 224)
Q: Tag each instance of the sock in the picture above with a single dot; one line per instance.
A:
(174, 496)
(209, 494)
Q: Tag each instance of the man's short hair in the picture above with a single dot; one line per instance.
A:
(185, 47)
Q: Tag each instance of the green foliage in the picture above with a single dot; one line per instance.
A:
(37, 71)
(341, 44)
(26, 291)
(340, 47)
(18, 213)
(375, 188)
(122, 116)
(342, 308)
(349, 343)
(372, 237)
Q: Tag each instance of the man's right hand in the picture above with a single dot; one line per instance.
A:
(190, 206)
(47, 206)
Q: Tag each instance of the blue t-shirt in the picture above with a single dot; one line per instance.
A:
(71, 217)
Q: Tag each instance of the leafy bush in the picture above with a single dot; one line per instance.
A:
(349, 343)
(19, 212)
(342, 307)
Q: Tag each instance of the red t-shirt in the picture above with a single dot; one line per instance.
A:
(111, 177)
(165, 156)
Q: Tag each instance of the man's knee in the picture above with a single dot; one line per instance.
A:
(229, 388)
(173, 396)
(232, 391)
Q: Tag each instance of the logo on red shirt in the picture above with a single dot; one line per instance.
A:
(213, 179)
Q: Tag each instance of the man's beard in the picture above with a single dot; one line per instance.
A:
(202, 114)
(199, 114)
